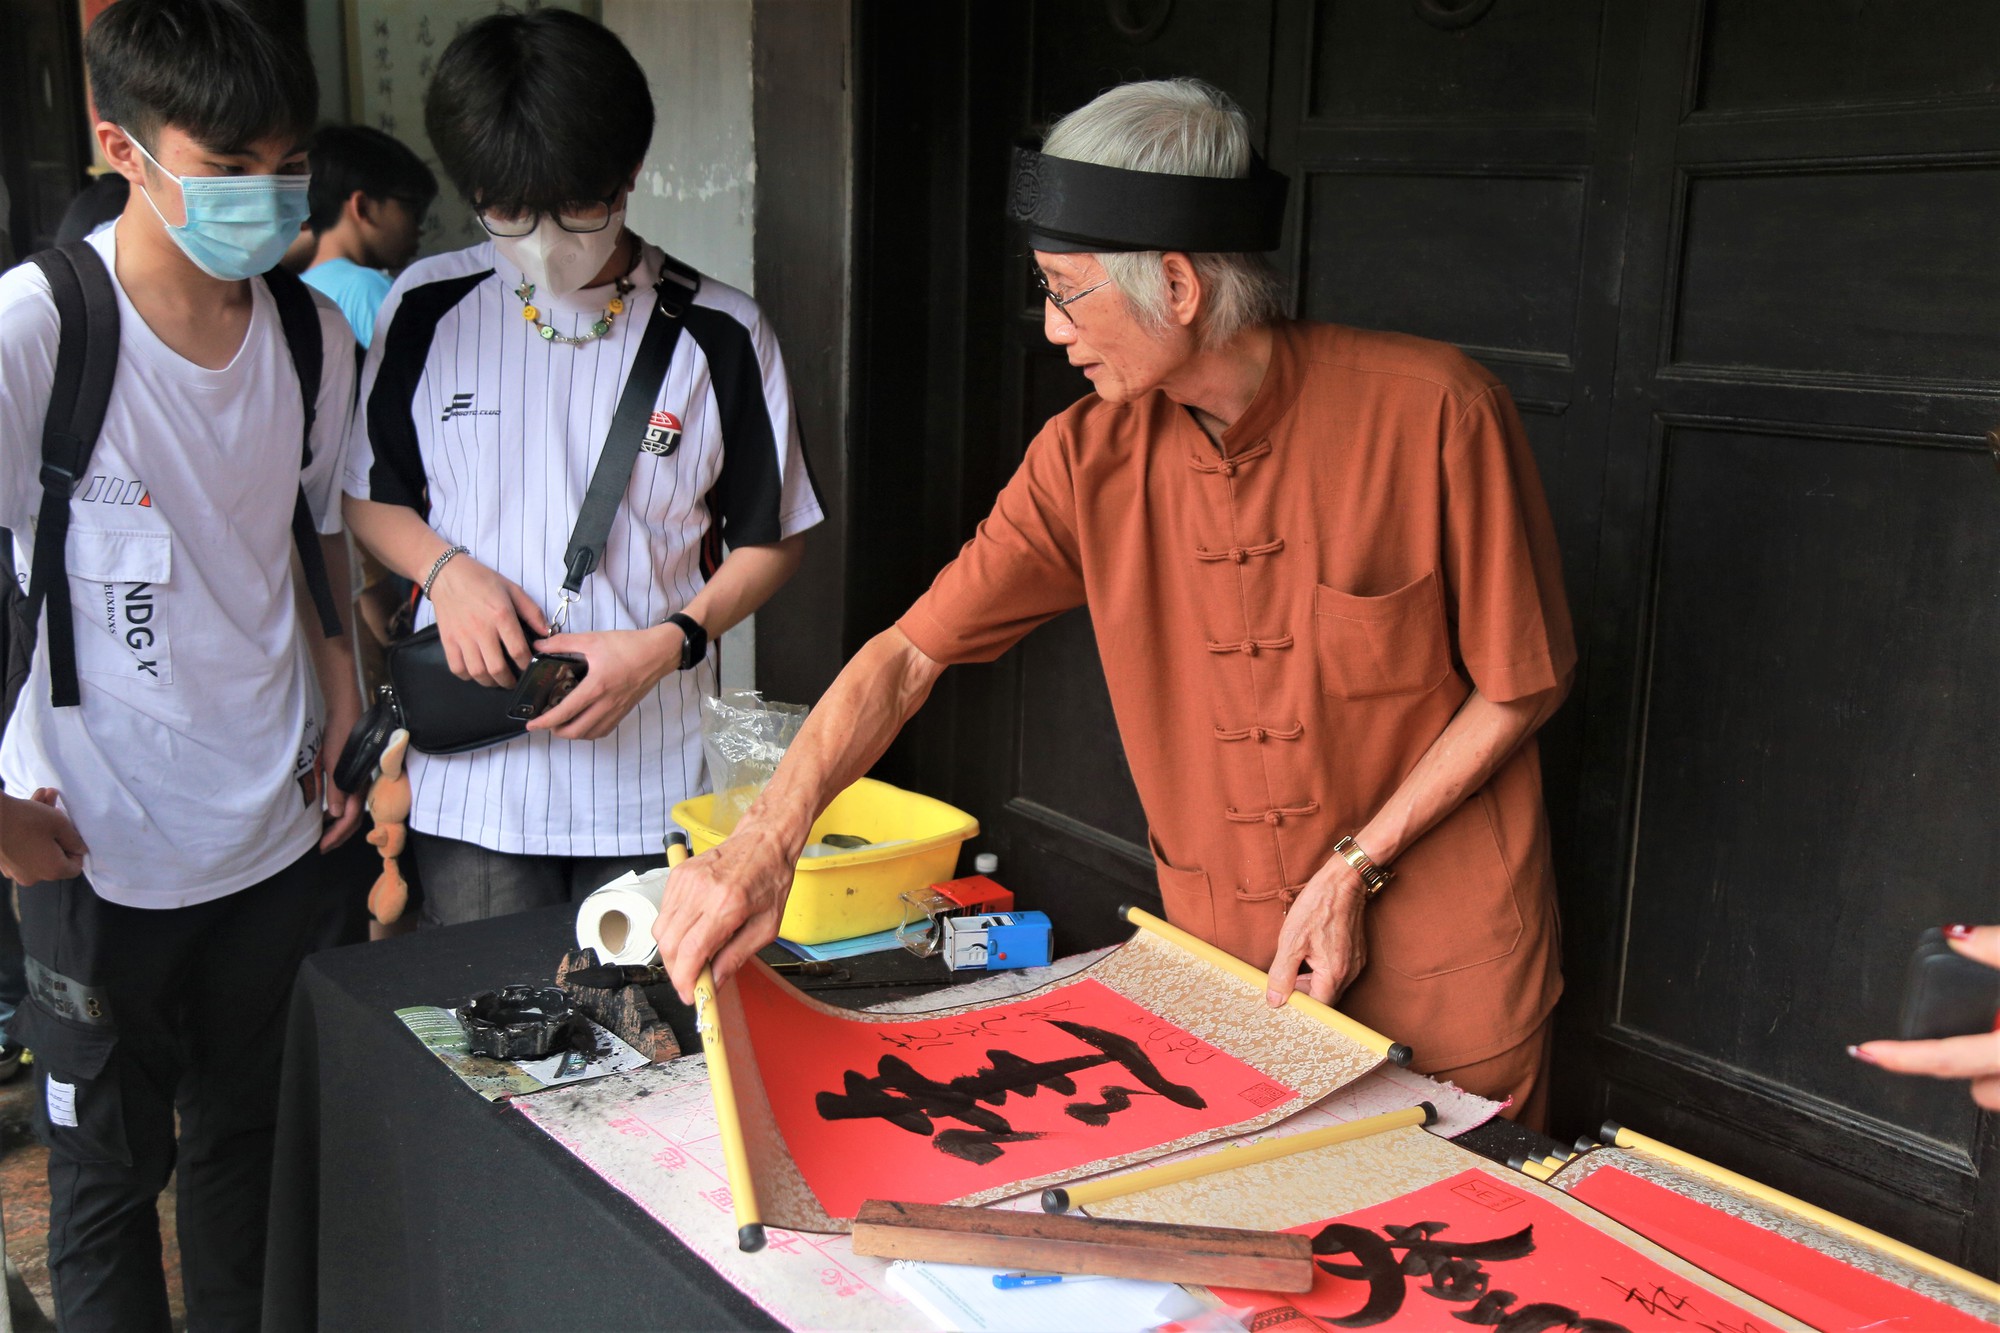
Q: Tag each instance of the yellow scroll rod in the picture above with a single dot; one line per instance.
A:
(1393, 1051)
(1632, 1141)
(1232, 1158)
(735, 1160)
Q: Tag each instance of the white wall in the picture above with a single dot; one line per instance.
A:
(697, 190)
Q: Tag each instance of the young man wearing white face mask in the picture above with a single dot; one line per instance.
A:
(166, 819)
(486, 397)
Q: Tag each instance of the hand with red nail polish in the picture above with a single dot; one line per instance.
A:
(1975, 1058)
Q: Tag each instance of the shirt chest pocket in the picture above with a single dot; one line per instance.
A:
(115, 583)
(1370, 647)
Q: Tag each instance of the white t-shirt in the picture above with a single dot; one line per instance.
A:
(472, 419)
(188, 765)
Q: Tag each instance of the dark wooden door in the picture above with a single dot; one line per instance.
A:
(1792, 734)
(44, 144)
(1736, 261)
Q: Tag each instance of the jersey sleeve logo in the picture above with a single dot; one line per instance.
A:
(663, 434)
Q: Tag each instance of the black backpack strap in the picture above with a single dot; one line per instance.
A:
(86, 365)
(300, 318)
(613, 472)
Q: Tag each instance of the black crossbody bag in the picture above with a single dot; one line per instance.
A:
(445, 714)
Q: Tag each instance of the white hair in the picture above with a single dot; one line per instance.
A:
(1187, 128)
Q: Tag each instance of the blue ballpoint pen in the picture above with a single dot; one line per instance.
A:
(1015, 1281)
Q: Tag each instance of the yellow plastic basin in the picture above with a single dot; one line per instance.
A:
(860, 892)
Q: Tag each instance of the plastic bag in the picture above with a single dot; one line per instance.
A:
(743, 737)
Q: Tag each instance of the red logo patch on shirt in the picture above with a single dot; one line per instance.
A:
(663, 434)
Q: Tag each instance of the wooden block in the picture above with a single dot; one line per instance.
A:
(624, 1011)
(1033, 1242)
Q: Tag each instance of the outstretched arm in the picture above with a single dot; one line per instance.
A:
(724, 905)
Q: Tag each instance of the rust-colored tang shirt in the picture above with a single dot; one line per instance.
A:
(1286, 625)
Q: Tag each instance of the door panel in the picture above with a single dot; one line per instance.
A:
(42, 134)
(1791, 605)
(1530, 58)
(1780, 55)
(1497, 255)
(1838, 271)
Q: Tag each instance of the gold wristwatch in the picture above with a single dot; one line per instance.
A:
(1373, 877)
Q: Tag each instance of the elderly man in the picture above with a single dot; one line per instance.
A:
(1327, 599)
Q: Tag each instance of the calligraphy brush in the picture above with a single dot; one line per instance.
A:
(610, 976)
(875, 985)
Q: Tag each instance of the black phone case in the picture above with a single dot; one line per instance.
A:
(1947, 994)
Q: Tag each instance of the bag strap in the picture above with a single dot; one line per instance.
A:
(300, 319)
(86, 365)
(673, 294)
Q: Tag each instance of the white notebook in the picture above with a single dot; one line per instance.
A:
(962, 1299)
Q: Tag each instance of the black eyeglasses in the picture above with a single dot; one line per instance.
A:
(1038, 282)
(594, 215)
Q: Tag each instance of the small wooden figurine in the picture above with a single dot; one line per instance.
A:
(389, 806)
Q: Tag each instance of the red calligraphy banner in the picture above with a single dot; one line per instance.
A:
(1472, 1251)
(1812, 1287)
(932, 1110)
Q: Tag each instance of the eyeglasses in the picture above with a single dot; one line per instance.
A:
(1039, 282)
(594, 215)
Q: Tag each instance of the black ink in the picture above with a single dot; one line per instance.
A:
(971, 1145)
(1660, 1301)
(1456, 1272)
(1544, 1315)
(1116, 1099)
(902, 1097)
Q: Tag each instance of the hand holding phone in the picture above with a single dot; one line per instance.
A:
(1945, 993)
(546, 682)
(1948, 1022)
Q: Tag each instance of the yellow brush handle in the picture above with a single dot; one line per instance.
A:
(735, 1158)
(1915, 1258)
(1537, 1170)
(1395, 1052)
(1230, 1159)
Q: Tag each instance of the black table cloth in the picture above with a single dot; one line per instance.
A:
(403, 1200)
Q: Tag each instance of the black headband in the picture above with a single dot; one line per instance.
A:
(1074, 207)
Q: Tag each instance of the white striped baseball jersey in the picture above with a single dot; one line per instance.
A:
(491, 431)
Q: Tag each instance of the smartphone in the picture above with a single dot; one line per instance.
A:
(1946, 994)
(547, 682)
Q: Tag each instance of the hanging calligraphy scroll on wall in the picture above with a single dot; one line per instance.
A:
(1150, 1051)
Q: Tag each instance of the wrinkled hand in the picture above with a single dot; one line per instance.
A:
(624, 667)
(1323, 930)
(343, 809)
(1975, 1057)
(721, 907)
(37, 840)
(479, 617)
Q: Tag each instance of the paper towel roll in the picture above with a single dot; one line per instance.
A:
(617, 919)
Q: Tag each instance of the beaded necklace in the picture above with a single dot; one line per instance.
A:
(612, 310)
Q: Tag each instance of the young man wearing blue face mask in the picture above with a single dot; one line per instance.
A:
(167, 830)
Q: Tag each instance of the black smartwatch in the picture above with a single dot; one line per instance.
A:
(694, 639)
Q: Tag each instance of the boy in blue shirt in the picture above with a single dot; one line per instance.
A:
(369, 194)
